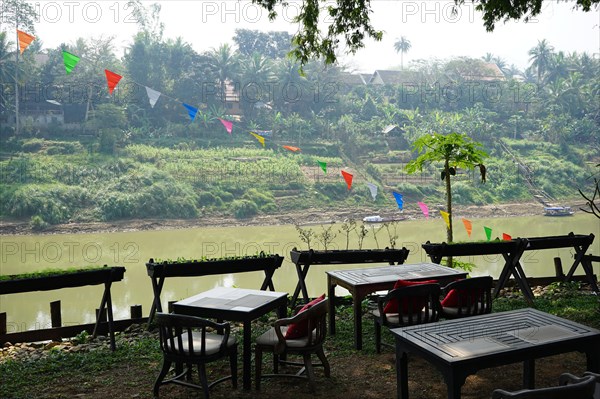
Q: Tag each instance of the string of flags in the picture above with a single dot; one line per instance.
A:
(112, 80)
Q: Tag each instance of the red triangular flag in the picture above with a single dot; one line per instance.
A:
(506, 237)
(293, 149)
(25, 40)
(348, 177)
(112, 79)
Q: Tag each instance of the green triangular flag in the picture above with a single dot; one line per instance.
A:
(323, 166)
(70, 61)
(488, 232)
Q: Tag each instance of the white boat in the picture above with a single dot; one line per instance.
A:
(379, 219)
(558, 211)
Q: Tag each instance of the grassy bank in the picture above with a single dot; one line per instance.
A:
(129, 372)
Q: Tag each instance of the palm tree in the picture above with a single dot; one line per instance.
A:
(224, 63)
(402, 46)
(6, 68)
(540, 58)
(256, 71)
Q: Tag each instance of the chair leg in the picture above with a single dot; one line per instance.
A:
(203, 379)
(275, 363)
(233, 366)
(324, 362)
(163, 372)
(377, 337)
(310, 373)
(258, 366)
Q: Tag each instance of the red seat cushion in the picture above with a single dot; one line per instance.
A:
(391, 306)
(466, 298)
(299, 330)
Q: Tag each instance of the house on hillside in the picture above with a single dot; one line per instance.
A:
(385, 77)
(480, 72)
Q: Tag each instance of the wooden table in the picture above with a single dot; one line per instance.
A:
(362, 282)
(461, 347)
(235, 304)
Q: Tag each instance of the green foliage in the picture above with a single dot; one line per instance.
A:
(243, 208)
(54, 203)
(37, 223)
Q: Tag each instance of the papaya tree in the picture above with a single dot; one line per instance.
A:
(454, 150)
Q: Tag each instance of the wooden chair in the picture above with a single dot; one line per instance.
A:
(274, 341)
(467, 297)
(576, 388)
(405, 306)
(186, 340)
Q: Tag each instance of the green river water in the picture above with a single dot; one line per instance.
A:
(26, 253)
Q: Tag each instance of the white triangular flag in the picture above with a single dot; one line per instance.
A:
(152, 96)
(373, 189)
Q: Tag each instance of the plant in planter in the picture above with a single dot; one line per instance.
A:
(361, 234)
(347, 227)
(306, 235)
(326, 236)
(392, 230)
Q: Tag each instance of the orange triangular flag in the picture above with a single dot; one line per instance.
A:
(348, 177)
(293, 149)
(506, 237)
(112, 79)
(468, 226)
(25, 40)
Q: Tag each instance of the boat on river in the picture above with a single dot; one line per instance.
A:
(558, 211)
(379, 219)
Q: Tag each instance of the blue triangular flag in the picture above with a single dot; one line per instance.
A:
(399, 199)
(191, 111)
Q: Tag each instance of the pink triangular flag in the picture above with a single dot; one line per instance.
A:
(424, 209)
(228, 125)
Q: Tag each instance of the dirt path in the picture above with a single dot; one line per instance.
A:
(307, 216)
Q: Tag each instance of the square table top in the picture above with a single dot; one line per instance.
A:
(414, 271)
(493, 334)
(226, 299)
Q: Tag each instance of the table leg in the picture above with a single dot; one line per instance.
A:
(504, 275)
(401, 374)
(156, 305)
(529, 374)
(109, 312)
(593, 360)
(579, 253)
(356, 306)
(331, 305)
(247, 355)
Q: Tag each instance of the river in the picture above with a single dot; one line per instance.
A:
(27, 253)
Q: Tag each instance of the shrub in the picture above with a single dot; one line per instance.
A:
(37, 223)
(243, 208)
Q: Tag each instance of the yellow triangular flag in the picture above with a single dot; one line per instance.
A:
(446, 217)
(258, 137)
(25, 40)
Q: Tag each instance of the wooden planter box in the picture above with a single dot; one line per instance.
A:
(437, 251)
(66, 280)
(565, 241)
(349, 256)
(209, 267)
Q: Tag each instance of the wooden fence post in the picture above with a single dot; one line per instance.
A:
(135, 311)
(558, 269)
(55, 316)
(2, 323)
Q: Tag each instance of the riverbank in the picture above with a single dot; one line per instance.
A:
(304, 217)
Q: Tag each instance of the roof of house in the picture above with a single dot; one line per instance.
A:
(487, 71)
(352, 79)
(386, 77)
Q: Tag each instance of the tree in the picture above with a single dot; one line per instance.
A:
(267, 44)
(593, 202)
(540, 58)
(351, 22)
(402, 46)
(455, 151)
(20, 15)
(225, 64)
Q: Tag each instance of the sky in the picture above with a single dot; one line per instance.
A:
(430, 26)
